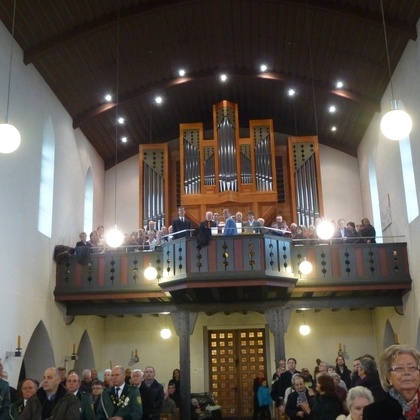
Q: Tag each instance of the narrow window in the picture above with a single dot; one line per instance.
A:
(88, 207)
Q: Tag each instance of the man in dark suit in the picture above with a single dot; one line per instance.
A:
(120, 401)
(85, 400)
(180, 224)
(279, 387)
(152, 395)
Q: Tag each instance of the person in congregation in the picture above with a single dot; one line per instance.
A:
(357, 398)
(97, 389)
(369, 377)
(176, 380)
(279, 387)
(168, 406)
(83, 240)
(136, 377)
(152, 396)
(252, 225)
(400, 378)
(208, 221)
(107, 378)
(51, 400)
(181, 224)
(120, 401)
(86, 382)
(176, 397)
(63, 374)
(368, 231)
(4, 395)
(326, 405)
(230, 225)
(27, 387)
(299, 395)
(343, 370)
(86, 403)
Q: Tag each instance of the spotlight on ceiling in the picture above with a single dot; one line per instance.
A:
(291, 92)
(158, 99)
(124, 139)
(223, 77)
(339, 84)
(121, 120)
(332, 109)
(108, 97)
(263, 68)
(181, 72)
(333, 128)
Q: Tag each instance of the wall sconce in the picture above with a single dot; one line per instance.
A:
(18, 352)
(150, 273)
(73, 355)
(135, 358)
(305, 267)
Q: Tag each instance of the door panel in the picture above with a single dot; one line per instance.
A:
(236, 356)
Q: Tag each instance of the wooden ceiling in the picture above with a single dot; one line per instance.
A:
(85, 49)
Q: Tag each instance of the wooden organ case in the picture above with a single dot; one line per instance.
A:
(230, 171)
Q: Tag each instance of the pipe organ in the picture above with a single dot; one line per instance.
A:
(223, 169)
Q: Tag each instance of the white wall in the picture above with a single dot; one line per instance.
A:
(27, 271)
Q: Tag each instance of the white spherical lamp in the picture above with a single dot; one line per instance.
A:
(114, 238)
(305, 267)
(150, 273)
(325, 230)
(396, 124)
(165, 333)
(304, 329)
(9, 138)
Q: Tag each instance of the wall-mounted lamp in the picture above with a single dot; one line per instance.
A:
(73, 355)
(150, 273)
(305, 267)
(135, 356)
(165, 333)
(18, 352)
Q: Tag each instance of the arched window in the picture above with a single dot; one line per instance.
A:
(46, 188)
(88, 206)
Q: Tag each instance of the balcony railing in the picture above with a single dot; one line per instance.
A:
(242, 260)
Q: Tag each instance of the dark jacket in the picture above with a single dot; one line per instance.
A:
(65, 407)
(291, 407)
(374, 385)
(385, 409)
(326, 407)
(16, 409)
(152, 399)
(86, 406)
(4, 400)
(345, 375)
(128, 405)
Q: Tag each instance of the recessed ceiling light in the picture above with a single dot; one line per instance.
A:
(158, 99)
(121, 120)
(332, 109)
(223, 77)
(108, 97)
(124, 139)
(181, 72)
(291, 92)
(339, 84)
(263, 67)
(333, 128)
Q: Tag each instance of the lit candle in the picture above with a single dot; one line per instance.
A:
(396, 339)
(135, 354)
(74, 348)
(19, 346)
(339, 346)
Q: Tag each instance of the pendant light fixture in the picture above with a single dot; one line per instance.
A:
(395, 124)
(114, 237)
(304, 328)
(9, 134)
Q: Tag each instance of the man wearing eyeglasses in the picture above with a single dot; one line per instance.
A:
(120, 401)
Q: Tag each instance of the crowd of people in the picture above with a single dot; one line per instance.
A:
(151, 238)
(387, 390)
(121, 394)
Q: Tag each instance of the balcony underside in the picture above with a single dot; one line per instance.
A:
(244, 273)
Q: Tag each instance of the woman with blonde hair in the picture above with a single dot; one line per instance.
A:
(399, 372)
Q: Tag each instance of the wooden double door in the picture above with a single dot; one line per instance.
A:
(235, 358)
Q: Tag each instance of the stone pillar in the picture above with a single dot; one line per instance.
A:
(184, 323)
(278, 320)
